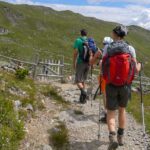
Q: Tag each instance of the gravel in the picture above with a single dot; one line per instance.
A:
(83, 129)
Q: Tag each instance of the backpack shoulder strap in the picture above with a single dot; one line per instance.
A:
(83, 40)
(109, 48)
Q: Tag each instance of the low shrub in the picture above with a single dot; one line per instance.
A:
(59, 137)
(21, 73)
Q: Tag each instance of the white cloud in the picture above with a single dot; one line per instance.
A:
(132, 14)
(144, 2)
(143, 20)
(135, 15)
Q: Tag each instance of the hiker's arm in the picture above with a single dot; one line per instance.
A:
(137, 65)
(95, 57)
(75, 54)
(100, 64)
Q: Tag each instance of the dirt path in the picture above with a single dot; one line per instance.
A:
(83, 128)
(37, 128)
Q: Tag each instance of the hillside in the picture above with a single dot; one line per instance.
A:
(26, 29)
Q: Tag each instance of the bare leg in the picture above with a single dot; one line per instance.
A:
(122, 124)
(122, 117)
(111, 120)
(80, 85)
(83, 85)
(111, 127)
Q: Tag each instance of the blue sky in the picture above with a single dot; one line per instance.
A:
(127, 12)
(81, 2)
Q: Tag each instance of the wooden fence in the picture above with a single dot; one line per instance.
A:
(53, 68)
(56, 69)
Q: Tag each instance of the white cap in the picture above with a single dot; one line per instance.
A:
(107, 40)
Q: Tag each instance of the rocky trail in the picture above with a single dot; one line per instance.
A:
(83, 126)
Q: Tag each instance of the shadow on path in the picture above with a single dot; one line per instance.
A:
(94, 145)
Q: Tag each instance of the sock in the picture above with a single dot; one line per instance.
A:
(82, 91)
(120, 131)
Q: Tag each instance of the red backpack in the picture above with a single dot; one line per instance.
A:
(118, 65)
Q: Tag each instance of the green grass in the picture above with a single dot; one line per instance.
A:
(26, 85)
(59, 137)
(135, 108)
(11, 129)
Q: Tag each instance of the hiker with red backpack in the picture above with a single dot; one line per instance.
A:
(83, 49)
(119, 66)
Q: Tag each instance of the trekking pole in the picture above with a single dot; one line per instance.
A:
(91, 85)
(142, 103)
(99, 119)
(95, 95)
(98, 88)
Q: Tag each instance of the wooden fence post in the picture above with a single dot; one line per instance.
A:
(35, 66)
(62, 69)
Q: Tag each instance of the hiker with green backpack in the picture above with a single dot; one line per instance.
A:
(83, 49)
(119, 66)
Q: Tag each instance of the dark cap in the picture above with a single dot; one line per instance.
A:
(121, 31)
(83, 32)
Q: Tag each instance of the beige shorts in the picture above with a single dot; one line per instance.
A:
(81, 72)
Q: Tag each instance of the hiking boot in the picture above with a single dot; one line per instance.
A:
(113, 145)
(120, 140)
(104, 119)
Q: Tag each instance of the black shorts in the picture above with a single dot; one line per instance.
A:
(117, 96)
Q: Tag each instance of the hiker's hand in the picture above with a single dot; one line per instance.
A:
(139, 67)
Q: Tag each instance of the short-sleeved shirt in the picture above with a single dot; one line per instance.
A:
(78, 44)
(131, 49)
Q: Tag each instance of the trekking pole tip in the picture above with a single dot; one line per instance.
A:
(144, 134)
(98, 136)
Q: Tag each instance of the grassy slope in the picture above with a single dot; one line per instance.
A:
(39, 28)
(12, 129)
(11, 122)
(135, 109)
